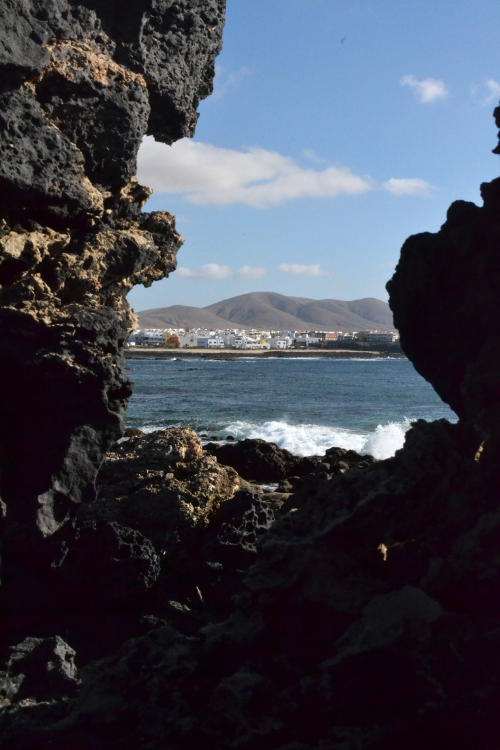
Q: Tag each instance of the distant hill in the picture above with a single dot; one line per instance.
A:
(269, 310)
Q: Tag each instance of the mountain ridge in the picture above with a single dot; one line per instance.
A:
(275, 311)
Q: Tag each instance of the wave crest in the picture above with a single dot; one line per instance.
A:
(314, 439)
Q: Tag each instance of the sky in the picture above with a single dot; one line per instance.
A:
(337, 128)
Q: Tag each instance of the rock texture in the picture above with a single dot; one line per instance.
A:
(39, 668)
(81, 84)
(444, 295)
(357, 608)
(261, 461)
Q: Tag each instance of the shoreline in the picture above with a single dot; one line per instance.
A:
(159, 353)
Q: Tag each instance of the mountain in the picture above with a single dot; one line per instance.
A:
(275, 311)
(182, 316)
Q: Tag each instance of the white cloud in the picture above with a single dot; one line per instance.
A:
(251, 272)
(218, 272)
(207, 174)
(211, 271)
(314, 269)
(427, 90)
(492, 91)
(226, 80)
(408, 186)
(311, 154)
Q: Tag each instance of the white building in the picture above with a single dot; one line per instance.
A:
(305, 339)
(148, 337)
(377, 337)
(188, 339)
(210, 342)
(281, 342)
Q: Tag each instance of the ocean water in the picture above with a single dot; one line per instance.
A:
(304, 405)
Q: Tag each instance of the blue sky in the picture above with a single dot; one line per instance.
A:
(337, 129)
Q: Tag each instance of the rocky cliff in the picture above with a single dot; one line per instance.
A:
(167, 601)
(80, 84)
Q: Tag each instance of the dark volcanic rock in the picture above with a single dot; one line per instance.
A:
(38, 668)
(163, 484)
(444, 295)
(204, 521)
(240, 526)
(358, 612)
(261, 461)
(80, 84)
(110, 562)
(344, 633)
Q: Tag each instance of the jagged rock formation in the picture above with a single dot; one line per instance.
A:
(444, 295)
(81, 82)
(39, 668)
(356, 609)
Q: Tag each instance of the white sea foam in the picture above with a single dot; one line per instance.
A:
(386, 439)
(147, 428)
(314, 439)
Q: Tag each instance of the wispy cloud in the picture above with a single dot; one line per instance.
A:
(408, 186)
(218, 272)
(311, 154)
(226, 80)
(427, 90)
(251, 272)
(209, 175)
(298, 269)
(489, 91)
(211, 271)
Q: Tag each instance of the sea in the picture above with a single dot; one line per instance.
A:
(305, 405)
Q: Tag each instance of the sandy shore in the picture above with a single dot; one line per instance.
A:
(157, 352)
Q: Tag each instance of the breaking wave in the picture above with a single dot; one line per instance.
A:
(314, 439)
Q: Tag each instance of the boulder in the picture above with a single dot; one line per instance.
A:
(164, 485)
(261, 461)
(107, 563)
(39, 669)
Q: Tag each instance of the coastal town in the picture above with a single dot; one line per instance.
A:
(253, 339)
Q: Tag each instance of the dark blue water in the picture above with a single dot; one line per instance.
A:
(305, 405)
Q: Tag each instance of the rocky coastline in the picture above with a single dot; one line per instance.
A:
(159, 594)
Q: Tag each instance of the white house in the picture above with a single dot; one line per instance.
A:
(281, 342)
(148, 337)
(210, 342)
(188, 340)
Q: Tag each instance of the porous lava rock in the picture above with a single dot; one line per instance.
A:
(262, 461)
(444, 295)
(163, 484)
(167, 488)
(203, 519)
(348, 631)
(81, 82)
(38, 668)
